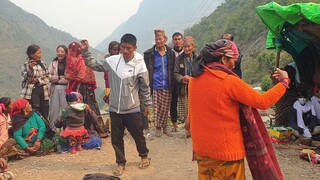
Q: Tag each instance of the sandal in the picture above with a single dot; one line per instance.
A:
(174, 127)
(145, 162)
(119, 170)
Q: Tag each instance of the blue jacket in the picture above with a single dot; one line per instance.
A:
(149, 59)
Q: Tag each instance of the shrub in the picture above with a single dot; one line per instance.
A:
(266, 83)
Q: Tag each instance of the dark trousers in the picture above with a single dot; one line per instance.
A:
(38, 102)
(173, 106)
(134, 125)
(145, 121)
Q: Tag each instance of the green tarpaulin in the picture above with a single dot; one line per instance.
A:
(274, 16)
(280, 21)
(295, 29)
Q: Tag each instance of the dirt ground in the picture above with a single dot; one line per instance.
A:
(170, 160)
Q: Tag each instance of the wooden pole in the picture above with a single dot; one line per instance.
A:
(278, 59)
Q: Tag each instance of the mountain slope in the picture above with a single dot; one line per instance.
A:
(18, 29)
(169, 15)
(240, 19)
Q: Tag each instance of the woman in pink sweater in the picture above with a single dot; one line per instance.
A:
(218, 130)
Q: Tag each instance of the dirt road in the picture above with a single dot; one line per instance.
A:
(171, 160)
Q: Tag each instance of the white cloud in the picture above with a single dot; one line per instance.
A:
(85, 19)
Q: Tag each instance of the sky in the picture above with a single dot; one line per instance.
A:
(84, 19)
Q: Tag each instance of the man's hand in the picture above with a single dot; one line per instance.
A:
(185, 79)
(146, 112)
(84, 44)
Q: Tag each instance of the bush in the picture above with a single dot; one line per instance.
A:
(266, 83)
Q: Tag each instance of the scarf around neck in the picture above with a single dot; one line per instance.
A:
(260, 154)
(20, 120)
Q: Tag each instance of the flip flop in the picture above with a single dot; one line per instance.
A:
(119, 170)
(144, 163)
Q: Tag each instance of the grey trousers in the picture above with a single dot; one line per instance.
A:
(57, 103)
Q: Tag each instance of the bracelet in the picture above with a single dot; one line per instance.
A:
(285, 82)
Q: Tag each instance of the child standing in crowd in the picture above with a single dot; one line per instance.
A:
(74, 116)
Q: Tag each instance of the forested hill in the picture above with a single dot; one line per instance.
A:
(169, 15)
(18, 29)
(239, 17)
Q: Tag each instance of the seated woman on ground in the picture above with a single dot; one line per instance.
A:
(29, 131)
(7, 143)
(302, 117)
(5, 105)
(5, 121)
(73, 120)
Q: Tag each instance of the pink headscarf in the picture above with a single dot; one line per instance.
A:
(78, 95)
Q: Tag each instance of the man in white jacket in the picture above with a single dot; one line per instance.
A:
(128, 77)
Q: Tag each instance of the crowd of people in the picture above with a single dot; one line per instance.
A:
(58, 110)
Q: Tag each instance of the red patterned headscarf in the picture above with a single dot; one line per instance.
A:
(213, 52)
(17, 106)
(76, 71)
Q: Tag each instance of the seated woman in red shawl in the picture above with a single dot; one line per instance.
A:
(82, 80)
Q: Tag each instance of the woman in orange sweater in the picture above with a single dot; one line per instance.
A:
(216, 97)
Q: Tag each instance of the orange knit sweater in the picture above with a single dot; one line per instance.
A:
(214, 98)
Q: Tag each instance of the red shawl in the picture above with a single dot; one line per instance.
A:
(76, 70)
(260, 154)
